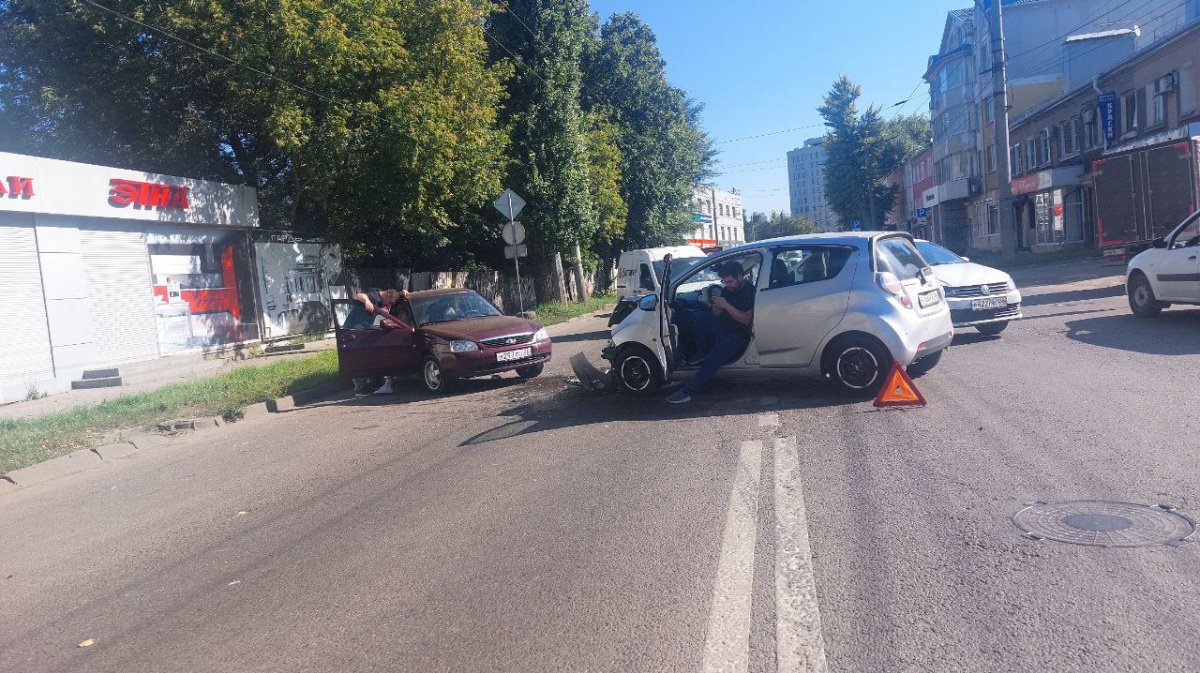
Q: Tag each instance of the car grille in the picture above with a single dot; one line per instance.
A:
(975, 291)
(513, 340)
(967, 315)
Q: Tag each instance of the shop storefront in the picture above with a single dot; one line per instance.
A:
(103, 267)
(1050, 209)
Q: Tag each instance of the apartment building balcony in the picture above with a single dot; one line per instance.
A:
(963, 141)
(956, 190)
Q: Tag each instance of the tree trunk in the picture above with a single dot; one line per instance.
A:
(549, 275)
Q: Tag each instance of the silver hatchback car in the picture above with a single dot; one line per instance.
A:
(842, 306)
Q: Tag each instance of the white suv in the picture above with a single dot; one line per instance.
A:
(843, 306)
(1168, 273)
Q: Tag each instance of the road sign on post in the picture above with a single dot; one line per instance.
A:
(510, 205)
(856, 225)
(514, 233)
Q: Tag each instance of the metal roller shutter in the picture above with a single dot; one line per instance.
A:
(120, 295)
(24, 334)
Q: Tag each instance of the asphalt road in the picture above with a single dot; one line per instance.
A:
(529, 527)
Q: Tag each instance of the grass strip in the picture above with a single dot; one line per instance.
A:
(28, 441)
(551, 313)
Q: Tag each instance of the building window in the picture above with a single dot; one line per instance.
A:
(1014, 159)
(1157, 110)
(1031, 153)
(993, 221)
(1129, 111)
(1091, 129)
(991, 160)
(989, 110)
(1186, 85)
(1066, 138)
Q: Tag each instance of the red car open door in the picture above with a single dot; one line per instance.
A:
(372, 345)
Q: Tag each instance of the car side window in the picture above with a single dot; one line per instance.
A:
(799, 266)
(647, 280)
(1189, 236)
(355, 316)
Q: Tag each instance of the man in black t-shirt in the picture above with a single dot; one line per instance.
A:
(724, 334)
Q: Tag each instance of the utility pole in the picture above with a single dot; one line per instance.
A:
(1008, 230)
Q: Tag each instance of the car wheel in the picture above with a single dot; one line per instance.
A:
(637, 372)
(858, 365)
(922, 366)
(433, 377)
(992, 328)
(1141, 298)
(531, 372)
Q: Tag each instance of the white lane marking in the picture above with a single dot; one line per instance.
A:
(799, 645)
(768, 420)
(727, 642)
(767, 401)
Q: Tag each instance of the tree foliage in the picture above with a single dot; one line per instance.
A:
(762, 226)
(863, 149)
(664, 151)
(362, 120)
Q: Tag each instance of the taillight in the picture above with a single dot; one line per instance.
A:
(889, 283)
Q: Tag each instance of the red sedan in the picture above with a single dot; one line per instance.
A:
(442, 335)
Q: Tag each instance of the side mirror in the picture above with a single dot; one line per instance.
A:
(1160, 242)
(649, 302)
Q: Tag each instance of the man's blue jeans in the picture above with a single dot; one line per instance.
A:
(717, 346)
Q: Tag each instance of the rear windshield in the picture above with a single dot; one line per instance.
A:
(898, 256)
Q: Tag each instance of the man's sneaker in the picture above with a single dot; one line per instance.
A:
(386, 388)
(680, 397)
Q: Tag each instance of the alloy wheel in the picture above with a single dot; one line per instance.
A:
(857, 367)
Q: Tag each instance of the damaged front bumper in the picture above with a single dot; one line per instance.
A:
(589, 376)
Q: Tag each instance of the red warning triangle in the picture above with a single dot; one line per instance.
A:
(899, 391)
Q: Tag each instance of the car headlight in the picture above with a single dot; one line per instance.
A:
(463, 346)
(541, 335)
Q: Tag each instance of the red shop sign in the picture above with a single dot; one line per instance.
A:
(122, 193)
(18, 187)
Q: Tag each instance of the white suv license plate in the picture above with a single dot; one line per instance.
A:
(989, 303)
(927, 299)
(519, 354)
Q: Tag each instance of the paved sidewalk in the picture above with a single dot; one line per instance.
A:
(151, 375)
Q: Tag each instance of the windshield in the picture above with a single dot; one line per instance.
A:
(679, 266)
(451, 307)
(936, 254)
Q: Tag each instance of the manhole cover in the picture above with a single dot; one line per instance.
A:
(1104, 524)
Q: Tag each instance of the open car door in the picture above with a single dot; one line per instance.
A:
(668, 333)
(371, 344)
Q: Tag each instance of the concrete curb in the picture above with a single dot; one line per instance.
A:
(115, 451)
(304, 397)
(77, 461)
(255, 411)
(6, 486)
(192, 424)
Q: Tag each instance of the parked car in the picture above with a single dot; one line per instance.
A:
(1167, 273)
(444, 336)
(842, 306)
(640, 272)
(979, 296)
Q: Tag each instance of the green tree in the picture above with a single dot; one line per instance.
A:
(550, 167)
(369, 121)
(762, 226)
(861, 150)
(664, 151)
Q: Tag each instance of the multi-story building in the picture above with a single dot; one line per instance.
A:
(719, 217)
(1051, 46)
(806, 184)
(1060, 148)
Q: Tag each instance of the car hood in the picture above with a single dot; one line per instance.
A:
(968, 273)
(476, 329)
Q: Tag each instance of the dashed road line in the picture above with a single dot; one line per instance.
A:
(727, 641)
(799, 645)
(768, 420)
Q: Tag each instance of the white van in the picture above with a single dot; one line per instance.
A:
(639, 272)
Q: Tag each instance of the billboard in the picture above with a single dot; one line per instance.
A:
(297, 279)
(202, 287)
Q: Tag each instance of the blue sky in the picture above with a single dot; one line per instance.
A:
(762, 66)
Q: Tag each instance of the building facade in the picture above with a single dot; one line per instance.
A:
(806, 185)
(1049, 49)
(1151, 104)
(105, 267)
(719, 217)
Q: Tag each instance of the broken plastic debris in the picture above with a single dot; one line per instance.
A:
(88, 643)
(233, 583)
(242, 512)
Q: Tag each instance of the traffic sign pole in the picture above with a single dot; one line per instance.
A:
(516, 257)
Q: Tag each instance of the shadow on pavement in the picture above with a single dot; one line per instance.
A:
(1072, 295)
(1172, 333)
(972, 337)
(408, 391)
(573, 408)
(598, 335)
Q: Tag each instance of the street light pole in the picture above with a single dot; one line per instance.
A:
(1008, 229)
